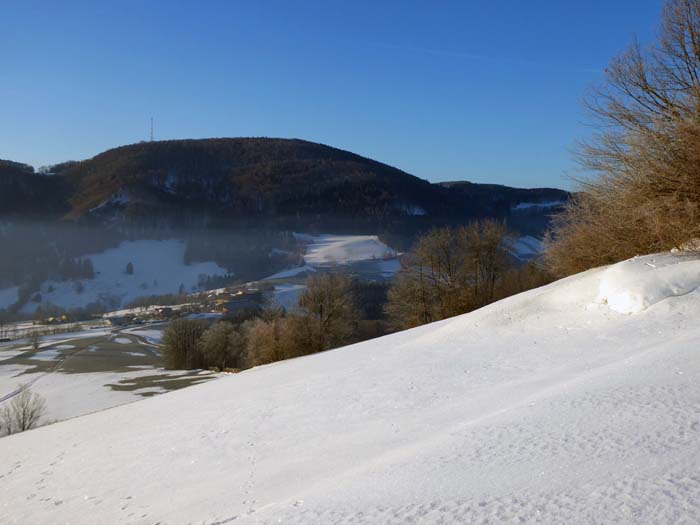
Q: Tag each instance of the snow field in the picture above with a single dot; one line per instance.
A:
(152, 335)
(159, 269)
(329, 249)
(549, 407)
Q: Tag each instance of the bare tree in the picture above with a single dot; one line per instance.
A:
(3, 323)
(181, 344)
(449, 272)
(643, 194)
(277, 337)
(35, 339)
(326, 319)
(221, 345)
(328, 300)
(263, 342)
(23, 412)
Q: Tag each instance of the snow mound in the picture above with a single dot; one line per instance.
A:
(634, 285)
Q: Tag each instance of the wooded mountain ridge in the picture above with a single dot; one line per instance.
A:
(287, 181)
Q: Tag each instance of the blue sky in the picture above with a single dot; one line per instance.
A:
(485, 90)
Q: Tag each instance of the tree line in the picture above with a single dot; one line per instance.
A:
(326, 318)
(451, 271)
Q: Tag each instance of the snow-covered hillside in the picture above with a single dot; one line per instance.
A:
(328, 249)
(545, 407)
(537, 205)
(365, 255)
(526, 248)
(159, 268)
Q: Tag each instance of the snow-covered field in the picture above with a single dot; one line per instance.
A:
(366, 255)
(549, 406)
(159, 269)
(329, 249)
(153, 335)
(293, 272)
(71, 395)
(82, 372)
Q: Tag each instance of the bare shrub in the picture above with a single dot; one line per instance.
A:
(279, 338)
(522, 278)
(327, 318)
(329, 302)
(35, 339)
(450, 272)
(181, 344)
(23, 412)
(221, 345)
(644, 192)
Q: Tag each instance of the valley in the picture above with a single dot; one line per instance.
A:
(350, 264)
(83, 372)
(108, 363)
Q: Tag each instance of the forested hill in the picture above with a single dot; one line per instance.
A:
(251, 177)
(288, 181)
(25, 193)
(502, 199)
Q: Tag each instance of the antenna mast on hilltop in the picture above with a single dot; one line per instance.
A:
(151, 129)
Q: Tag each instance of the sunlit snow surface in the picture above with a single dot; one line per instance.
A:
(548, 406)
(635, 284)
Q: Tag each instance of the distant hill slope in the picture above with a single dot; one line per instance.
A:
(527, 210)
(25, 193)
(250, 177)
(505, 199)
(290, 182)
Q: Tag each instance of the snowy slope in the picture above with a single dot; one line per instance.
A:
(293, 272)
(159, 269)
(545, 407)
(329, 249)
(526, 247)
(366, 255)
